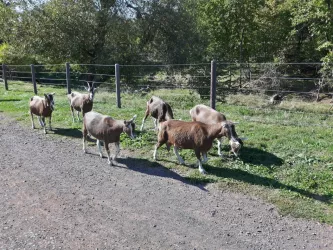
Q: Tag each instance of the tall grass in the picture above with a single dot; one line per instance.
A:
(287, 158)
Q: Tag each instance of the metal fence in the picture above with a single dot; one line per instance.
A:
(212, 80)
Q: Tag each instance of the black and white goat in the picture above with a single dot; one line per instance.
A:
(42, 107)
(159, 110)
(207, 115)
(106, 129)
(82, 102)
(191, 135)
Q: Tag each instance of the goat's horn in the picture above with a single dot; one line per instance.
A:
(134, 117)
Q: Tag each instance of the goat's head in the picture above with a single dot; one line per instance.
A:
(130, 127)
(229, 131)
(91, 89)
(49, 100)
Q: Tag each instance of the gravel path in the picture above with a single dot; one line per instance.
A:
(53, 196)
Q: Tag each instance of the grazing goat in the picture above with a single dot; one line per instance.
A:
(276, 99)
(42, 107)
(159, 110)
(191, 135)
(207, 115)
(82, 102)
(107, 130)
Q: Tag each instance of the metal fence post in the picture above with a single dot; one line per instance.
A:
(4, 76)
(117, 79)
(213, 84)
(33, 78)
(68, 78)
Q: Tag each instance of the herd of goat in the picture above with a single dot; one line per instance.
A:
(198, 134)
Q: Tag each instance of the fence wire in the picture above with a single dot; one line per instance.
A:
(300, 79)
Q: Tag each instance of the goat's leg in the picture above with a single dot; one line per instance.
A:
(155, 124)
(219, 143)
(43, 120)
(40, 121)
(32, 120)
(117, 150)
(106, 145)
(72, 109)
(158, 145)
(50, 122)
(98, 142)
(205, 158)
(144, 119)
(197, 154)
(84, 139)
(180, 159)
(78, 115)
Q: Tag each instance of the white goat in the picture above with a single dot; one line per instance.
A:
(207, 115)
(191, 135)
(159, 110)
(82, 102)
(107, 130)
(42, 107)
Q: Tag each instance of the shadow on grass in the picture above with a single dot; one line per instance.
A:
(241, 175)
(154, 168)
(259, 157)
(10, 100)
(70, 132)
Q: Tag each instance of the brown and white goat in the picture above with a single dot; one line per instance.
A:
(191, 135)
(41, 107)
(105, 129)
(207, 115)
(82, 102)
(159, 110)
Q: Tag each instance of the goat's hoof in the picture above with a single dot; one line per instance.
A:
(100, 155)
(202, 171)
(110, 162)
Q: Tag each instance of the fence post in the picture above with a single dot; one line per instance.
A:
(68, 78)
(117, 79)
(213, 84)
(4, 75)
(33, 78)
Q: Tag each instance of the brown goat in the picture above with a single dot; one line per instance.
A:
(106, 129)
(190, 135)
(41, 107)
(82, 102)
(207, 115)
(159, 110)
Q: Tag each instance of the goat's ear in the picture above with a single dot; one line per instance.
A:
(53, 93)
(45, 95)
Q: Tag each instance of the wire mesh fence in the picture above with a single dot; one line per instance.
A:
(189, 83)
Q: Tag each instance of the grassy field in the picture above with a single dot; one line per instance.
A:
(287, 158)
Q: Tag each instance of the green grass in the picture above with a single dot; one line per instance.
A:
(287, 158)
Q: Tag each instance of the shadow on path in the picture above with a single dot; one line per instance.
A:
(70, 132)
(241, 175)
(154, 168)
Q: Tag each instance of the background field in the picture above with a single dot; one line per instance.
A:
(287, 158)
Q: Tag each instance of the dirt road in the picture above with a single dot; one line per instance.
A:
(55, 197)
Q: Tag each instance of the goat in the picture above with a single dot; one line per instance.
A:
(159, 110)
(42, 107)
(82, 102)
(190, 135)
(276, 99)
(207, 115)
(105, 129)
